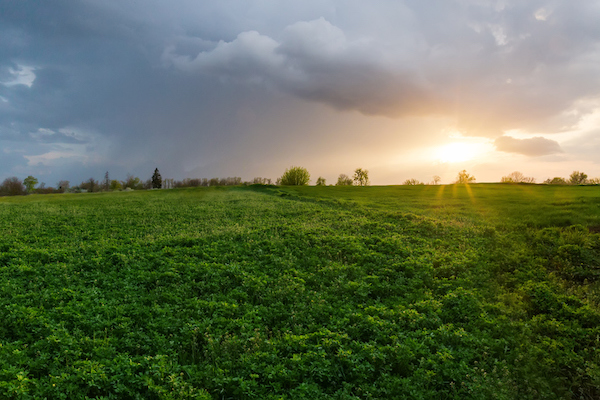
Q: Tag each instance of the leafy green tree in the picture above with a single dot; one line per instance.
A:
(295, 176)
(343, 180)
(361, 177)
(464, 177)
(156, 180)
(30, 183)
(132, 182)
(321, 181)
(577, 178)
(116, 185)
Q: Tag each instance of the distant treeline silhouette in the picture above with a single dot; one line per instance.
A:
(13, 186)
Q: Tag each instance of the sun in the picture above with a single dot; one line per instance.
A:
(457, 152)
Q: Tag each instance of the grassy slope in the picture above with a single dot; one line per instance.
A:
(487, 291)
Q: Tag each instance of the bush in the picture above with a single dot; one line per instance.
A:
(295, 176)
(321, 181)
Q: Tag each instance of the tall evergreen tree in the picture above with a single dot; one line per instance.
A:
(156, 180)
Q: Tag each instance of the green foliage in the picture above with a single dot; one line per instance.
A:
(132, 182)
(489, 291)
(343, 180)
(464, 177)
(295, 176)
(361, 177)
(115, 185)
(30, 183)
(321, 181)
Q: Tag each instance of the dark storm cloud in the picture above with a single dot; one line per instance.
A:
(534, 147)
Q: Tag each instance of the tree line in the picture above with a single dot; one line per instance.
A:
(13, 186)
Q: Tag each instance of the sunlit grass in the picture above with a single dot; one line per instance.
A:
(451, 291)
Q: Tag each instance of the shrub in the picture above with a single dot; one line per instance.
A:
(321, 181)
(295, 176)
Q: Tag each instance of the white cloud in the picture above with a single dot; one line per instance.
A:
(22, 75)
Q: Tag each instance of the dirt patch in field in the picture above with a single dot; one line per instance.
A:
(594, 229)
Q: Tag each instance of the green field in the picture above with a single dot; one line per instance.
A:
(416, 292)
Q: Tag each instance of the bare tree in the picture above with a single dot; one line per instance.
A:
(12, 187)
(62, 186)
(412, 182)
(517, 177)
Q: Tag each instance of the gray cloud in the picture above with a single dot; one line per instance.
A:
(316, 61)
(174, 83)
(534, 147)
(495, 67)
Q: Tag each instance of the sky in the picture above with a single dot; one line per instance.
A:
(200, 89)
